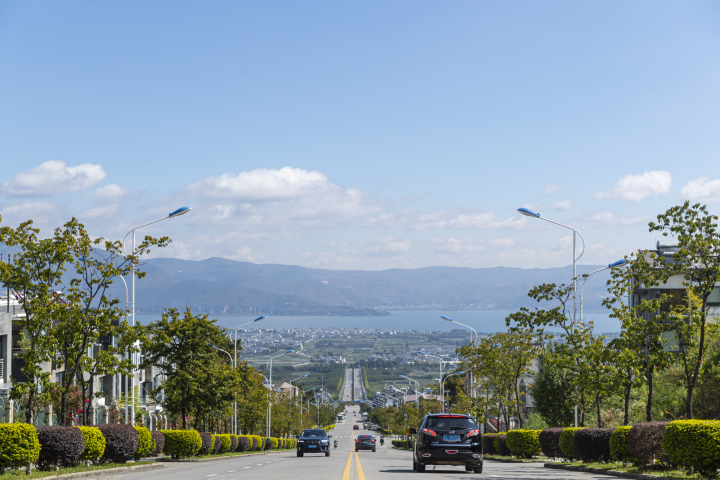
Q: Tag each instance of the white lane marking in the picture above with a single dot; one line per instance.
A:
(260, 464)
(246, 468)
(231, 471)
(212, 474)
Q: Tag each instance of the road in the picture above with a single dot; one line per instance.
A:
(343, 464)
(357, 386)
(347, 395)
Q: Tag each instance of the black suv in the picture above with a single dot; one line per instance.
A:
(315, 440)
(448, 439)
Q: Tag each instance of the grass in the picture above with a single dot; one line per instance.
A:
(679, 474)
(81, 468)
(500, 457)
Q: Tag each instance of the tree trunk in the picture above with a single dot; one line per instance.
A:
(182, 413)
(597, 402)
(648, 407)
(517, 405)
(29, 406)
(582, 410)
(628, 390)
(91, 388)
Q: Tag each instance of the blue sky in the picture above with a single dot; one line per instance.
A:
(361, 135)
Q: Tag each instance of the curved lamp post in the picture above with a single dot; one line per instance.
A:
(176, 213)
(234, 427)
(442, 392)
(410, 379)
(530, 213)
(451, 375)
(448, 319)
(619, 263)
(269, 416)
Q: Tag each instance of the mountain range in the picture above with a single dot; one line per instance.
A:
(222, 286)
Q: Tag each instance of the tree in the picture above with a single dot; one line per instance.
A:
(36, 270)
(252, 398)
(182, 347)
(697, 260)
(552, 392)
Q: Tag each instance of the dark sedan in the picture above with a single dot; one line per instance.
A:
(315, 440)
(448, 439)
(365, 442)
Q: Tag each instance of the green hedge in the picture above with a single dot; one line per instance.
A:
(524, 443)
(182, 443)
(274, 442)
(567, 442)
(402, 443)
(94, 444)
(694, 444)
(19, 445)
(146, 445)
(225, 443)
(619, 450)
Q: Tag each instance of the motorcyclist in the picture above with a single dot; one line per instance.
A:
(382, 441)
(335, 443)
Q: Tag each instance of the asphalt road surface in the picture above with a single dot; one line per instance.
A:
(357, 385)
(347, 392)
(343, 464)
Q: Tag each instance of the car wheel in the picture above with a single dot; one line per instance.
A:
(373, 450)
(327, 454)
(414, 463)
(420, 468)
(300, 454)
(356, 449)
(469, 468)
(478, 468)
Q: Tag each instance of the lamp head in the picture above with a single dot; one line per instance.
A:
(528, 213)
(260, 318)
(447, 319)
(179, 211)
(420, 351)
(618, 263)
(459, 373)
(303, 376)
(290, 351)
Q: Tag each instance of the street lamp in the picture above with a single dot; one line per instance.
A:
(176, 213)
(442, 392)
(451, 375)
(410, 379)
(472, 383)
(301, 402)
(234, 364)
(619, 263)
(269, 417)
(530, 213)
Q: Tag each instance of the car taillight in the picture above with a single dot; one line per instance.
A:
(472, 433)
(358, 440)
(429, 432)
(373, 441)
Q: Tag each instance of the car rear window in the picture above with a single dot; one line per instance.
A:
(314, 433)
(450, 423)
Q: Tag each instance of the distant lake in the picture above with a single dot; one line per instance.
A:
(484, 321)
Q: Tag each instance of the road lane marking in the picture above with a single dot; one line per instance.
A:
(246, 468)
(233, 471)
(361, 475)
(212, 474)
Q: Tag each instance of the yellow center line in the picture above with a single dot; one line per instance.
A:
(346, 472)
(361, 475)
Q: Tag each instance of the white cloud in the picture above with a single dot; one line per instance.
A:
(43, 214)
(638, 187)
(280, 197)
(564, 206)
(389, 245)
(53, 177)
(442, 220)
(468, 246)
(100, 211)
(551, 189)
(609, 218)
(110, 191)
(702, 189)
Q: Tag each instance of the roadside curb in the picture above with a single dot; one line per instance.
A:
(101, 472)
(226, 457)
(513, 460)
(614, 473)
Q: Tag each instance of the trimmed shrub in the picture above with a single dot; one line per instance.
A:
(216, 445)
(619, 450)
(694, 444)
(59, 446)
(19, 445)
(233, 442)
(549, 440)
(243, 443)
(268, 444)
(159, 440)
(94, 444)
(275, 443)
(182, 443)
(567, 443)
(402, 443)
(145, 443)
(501, 445)
(523, 443)
(208, 442)
(489, 444)
(644, 441)
(225, 443)
(260, 443)
(593, 444)
(121, 442)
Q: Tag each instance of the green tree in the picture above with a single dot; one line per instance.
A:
(552, 392)
(181, 347)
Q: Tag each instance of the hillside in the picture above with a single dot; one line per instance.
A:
(218, 285)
